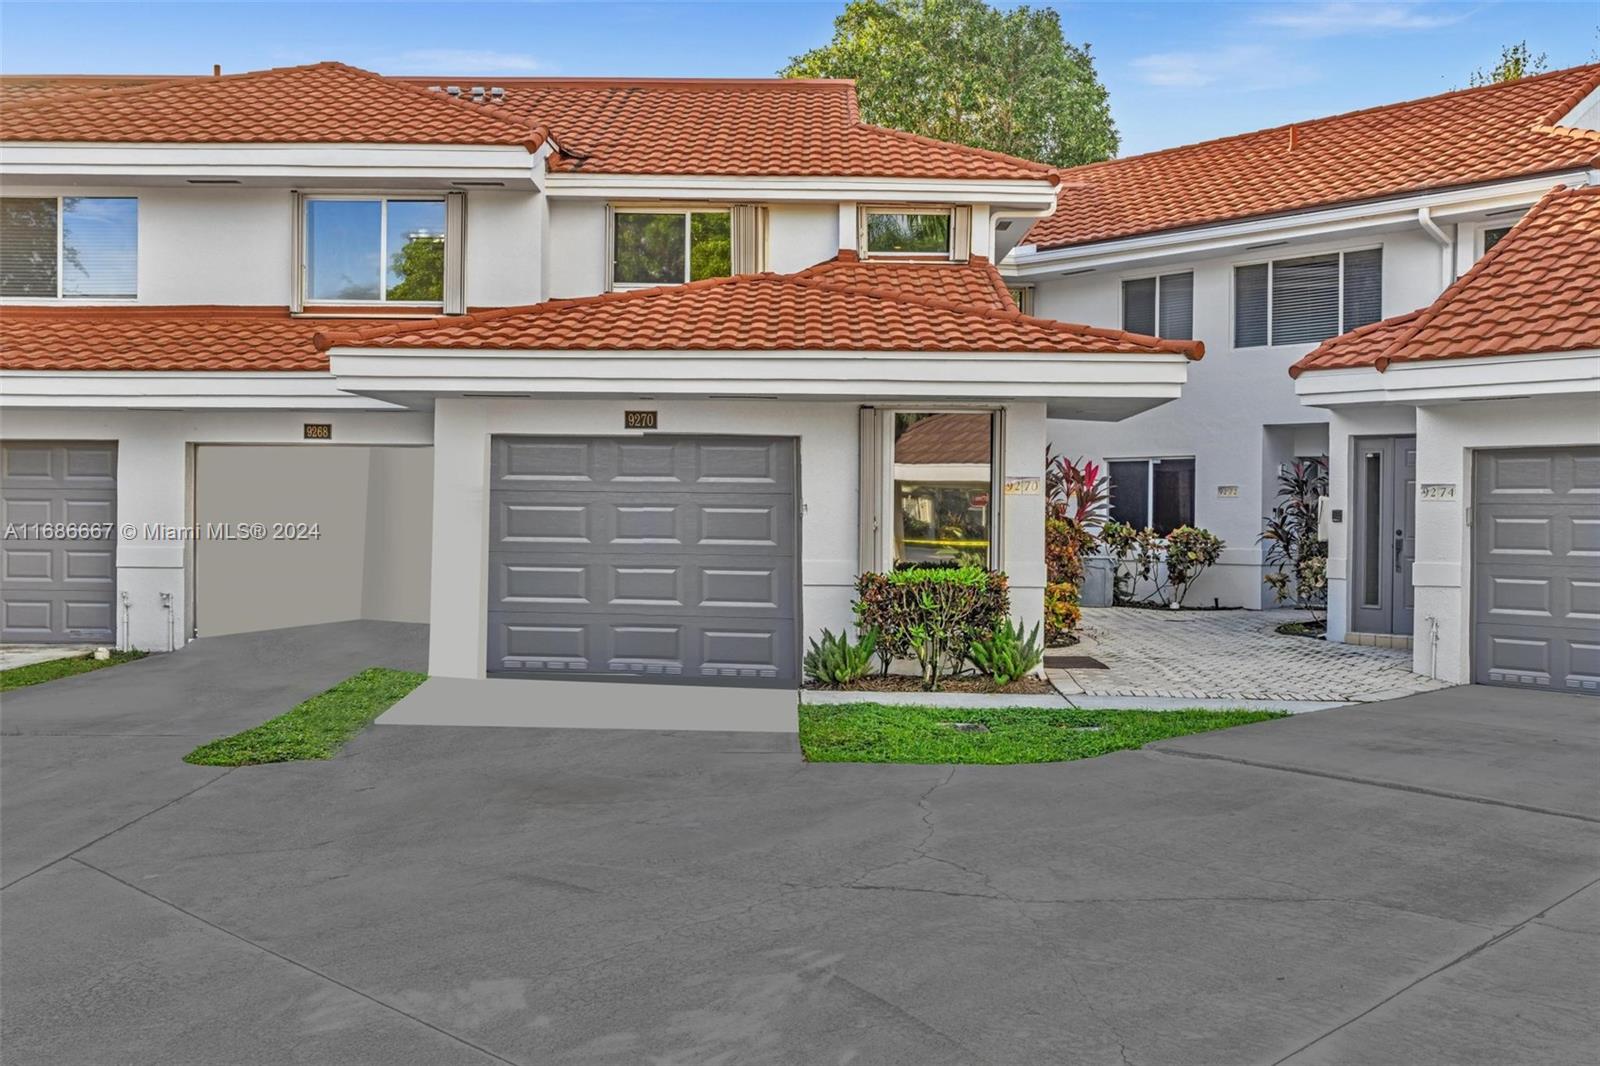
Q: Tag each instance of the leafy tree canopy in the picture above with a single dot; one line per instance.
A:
(959, 70)
(1516, 61)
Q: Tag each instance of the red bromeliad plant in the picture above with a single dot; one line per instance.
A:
(1077, 504)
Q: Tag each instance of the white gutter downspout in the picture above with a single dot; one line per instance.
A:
(1447, 273)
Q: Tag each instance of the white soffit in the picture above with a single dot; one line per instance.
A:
(1436, 381)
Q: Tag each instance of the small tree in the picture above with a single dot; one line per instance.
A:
(1289, 537)
(1516, 61)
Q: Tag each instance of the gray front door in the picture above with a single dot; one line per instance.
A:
(58, 577)
(654, 558)
(1384, 536)
(1536, 569)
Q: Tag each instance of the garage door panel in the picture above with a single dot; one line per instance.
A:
(608, 521)
(1536, 569)
(690, 649)
(664, 558)
(58, 588)
(641, 583)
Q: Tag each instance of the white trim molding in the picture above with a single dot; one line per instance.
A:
(1320, 223)
(1108, 386)
(371, 165)
(1436, 381)
(1026, 195)
(195, 390)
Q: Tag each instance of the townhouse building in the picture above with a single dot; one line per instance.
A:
(599, 378)
(1263, 246)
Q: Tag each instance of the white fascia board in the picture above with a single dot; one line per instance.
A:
(1027, 194)
(1569, 120)
(1028, 260)
(374, 163)
(188, 391)
(795, 374)
(1438, 381)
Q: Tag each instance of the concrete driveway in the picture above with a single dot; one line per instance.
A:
(1410, 881)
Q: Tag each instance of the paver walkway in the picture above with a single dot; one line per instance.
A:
(1229, 655)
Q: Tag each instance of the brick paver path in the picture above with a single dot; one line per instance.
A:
(1228, 655)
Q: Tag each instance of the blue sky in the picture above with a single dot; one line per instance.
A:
(1177, 72)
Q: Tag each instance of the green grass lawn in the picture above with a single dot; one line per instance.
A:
(317, 728)
(870, 732)
(36, 673)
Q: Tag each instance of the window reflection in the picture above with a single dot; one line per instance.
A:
(942, 487)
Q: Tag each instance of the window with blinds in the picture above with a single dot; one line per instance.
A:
(77, 247)
(1307, 299)
(1159, 307)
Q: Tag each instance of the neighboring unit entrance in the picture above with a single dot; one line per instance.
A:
(1384, 537)
(1536, 569)
(656, 558)
(58, 583)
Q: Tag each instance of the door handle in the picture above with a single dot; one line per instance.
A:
(1399, 550)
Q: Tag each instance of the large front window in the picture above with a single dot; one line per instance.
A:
(943, 507)
(1152, 493)
(374, 250)
(654, 247)
(73, 247)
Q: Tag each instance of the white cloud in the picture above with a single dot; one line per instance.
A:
(460, 61)
(1242, 67)
(1333, 20)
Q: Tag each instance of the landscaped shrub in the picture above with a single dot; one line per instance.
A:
(1189, 551)
(1299, 560)
(1061, 612)
(930, 614)
(1004, 655)
(1171, 563)
(837, 660)
(1076, 505)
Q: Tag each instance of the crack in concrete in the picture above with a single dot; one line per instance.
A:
(1437, 970)
(154, 810)
(297, 964)
(1397, 786)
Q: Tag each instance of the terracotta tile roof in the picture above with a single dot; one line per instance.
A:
(157, 339)
(786, 127)
(1537, 290)
(321, 103)
(1491, 133)
(20, 88)
(757, 312)
(946, 438)
(975, 283)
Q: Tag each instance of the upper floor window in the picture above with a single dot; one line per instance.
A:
(1159, 307)
(74, 247)
(374, 249)
(1306, 300)
(894, 232)
(653, 246)
(1491, 237)
(1022, 296)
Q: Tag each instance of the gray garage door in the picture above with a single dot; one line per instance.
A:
(657, 558)
(1536, 565)
(60, 544)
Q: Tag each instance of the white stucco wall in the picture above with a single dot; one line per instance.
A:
(801, 235)
(577, 248)
(1448, 436)
(154, 487)
(1232, 398)
(504, 257)
(829, 501)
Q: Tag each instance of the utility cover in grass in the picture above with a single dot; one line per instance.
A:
(870, 732)
(317, 728)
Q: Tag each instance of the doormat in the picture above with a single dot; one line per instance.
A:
(1074, 662)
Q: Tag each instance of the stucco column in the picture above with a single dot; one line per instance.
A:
(458, 638)
(1023, 521)
(152, 550)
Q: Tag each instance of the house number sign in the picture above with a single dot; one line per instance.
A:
(1436, 491)
(638, 420)
(318, 430)
(1022, 486)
